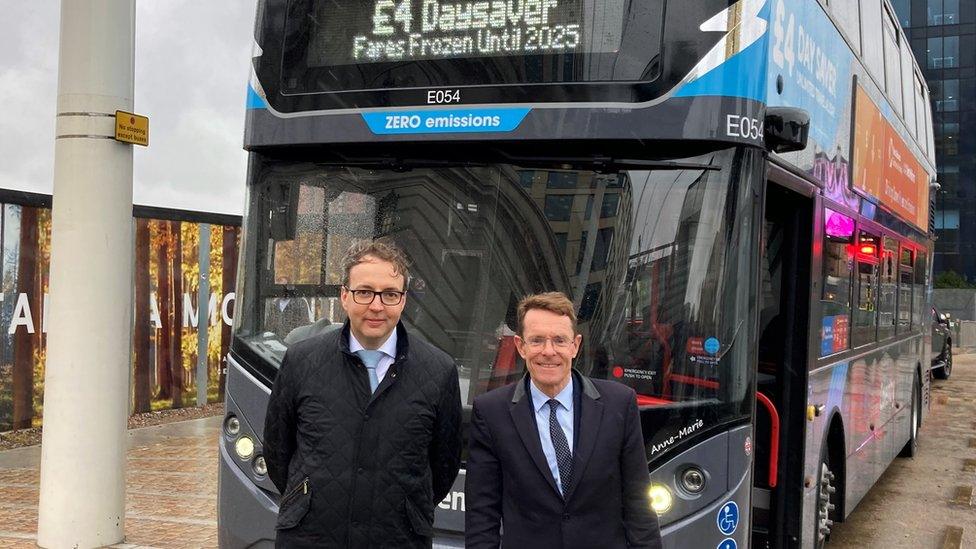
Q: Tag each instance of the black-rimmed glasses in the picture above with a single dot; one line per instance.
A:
(366, 297)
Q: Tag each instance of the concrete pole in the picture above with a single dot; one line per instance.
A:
(86, 383)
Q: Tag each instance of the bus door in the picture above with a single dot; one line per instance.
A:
(782, 372)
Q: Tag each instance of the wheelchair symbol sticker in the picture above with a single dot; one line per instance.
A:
(727, 543)
(728, 519)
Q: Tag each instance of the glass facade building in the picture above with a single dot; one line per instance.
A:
(943, 37)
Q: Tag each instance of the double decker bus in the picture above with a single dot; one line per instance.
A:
(735, 194)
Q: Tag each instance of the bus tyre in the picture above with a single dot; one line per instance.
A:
(826, 497)
(945, 370)
(911, 447)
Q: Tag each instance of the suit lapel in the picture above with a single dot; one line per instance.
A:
(524, 419)
(591, 414)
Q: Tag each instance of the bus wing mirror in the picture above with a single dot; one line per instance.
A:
(786, 129)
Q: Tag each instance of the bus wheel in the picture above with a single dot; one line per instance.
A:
(911, 447)
(825, 502)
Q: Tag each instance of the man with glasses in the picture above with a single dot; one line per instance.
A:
(363, 430)
(557, 459)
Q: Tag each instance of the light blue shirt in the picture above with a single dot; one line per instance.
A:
(564, 415)
(388, 348)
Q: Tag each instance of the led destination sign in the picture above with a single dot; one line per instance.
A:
(354, 32)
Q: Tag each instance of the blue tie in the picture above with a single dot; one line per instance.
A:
(370, 360)
(564, 458)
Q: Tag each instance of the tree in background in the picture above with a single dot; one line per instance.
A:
(190, 236)
(952, 280)
(24, 338)
(164, 294)
(40, 338)
(215, 322)
(176, 347)
(141, 331)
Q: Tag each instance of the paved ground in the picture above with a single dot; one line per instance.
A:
(927, 501)
(171, 488)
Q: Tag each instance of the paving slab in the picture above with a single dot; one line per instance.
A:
(171, 488)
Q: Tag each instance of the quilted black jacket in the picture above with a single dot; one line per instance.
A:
(359, 470)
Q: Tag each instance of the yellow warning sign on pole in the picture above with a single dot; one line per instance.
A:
(131, 128)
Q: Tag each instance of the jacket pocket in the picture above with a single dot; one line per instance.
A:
(293, 506)
(419, 522)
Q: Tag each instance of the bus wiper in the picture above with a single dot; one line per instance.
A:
(606, 163)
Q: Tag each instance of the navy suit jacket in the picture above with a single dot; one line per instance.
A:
(510, 488)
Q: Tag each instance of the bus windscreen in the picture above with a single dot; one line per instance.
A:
(346, 45)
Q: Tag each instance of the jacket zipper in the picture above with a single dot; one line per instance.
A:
(294, 492)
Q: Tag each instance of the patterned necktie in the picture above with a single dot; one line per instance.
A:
(564, 458)
(370, 360)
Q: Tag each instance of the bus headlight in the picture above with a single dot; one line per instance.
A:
(244, 447)
(260, 466)
(661, 498)
(693, 480)
(232, 426)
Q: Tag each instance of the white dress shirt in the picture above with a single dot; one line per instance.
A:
(564, 415)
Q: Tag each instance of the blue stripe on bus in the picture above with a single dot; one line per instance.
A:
(743, 75)
(255, 101)
(445, 121)
(838, 385)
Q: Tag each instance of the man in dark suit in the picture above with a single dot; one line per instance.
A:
(363, 431)
(557, 459)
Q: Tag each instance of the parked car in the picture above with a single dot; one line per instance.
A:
(941, 344)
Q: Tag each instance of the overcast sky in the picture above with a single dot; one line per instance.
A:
(192, 66)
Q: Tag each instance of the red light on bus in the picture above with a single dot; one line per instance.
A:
(868, 249)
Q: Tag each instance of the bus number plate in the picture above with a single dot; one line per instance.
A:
(443, 97)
